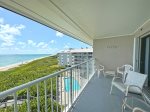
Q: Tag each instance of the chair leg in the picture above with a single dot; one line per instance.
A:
(103, 73)
(125, 100)
(143, 96)
(98, 73)
(123, 107)
(111, 88)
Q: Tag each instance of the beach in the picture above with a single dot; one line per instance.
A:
(10, 66)
(5, 68)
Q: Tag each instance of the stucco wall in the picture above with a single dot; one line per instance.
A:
(114, 52)
(143, 30)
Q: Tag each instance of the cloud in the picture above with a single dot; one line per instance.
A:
(1, 21)
(59, 34)
(6, 44)
(44, 46)
(8, 33)
(30, 42)
(40, 44)
(1, 9)
(52, 41)
(67, 45)
(33, 44)
(23, 44)
(47, 50)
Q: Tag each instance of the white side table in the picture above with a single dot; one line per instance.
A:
(110, 73)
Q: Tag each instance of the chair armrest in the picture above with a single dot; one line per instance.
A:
(120, 69)
(101, 67)
(115, 78)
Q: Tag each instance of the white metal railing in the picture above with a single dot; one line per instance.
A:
(65, 87)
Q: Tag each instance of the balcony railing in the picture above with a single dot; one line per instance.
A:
(60, 90)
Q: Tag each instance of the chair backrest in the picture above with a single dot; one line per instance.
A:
(127, 68)
(98, 65)
(135, 78)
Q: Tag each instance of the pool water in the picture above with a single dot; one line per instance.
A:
(75, 84)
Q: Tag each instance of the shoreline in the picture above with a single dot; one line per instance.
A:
(5, 68)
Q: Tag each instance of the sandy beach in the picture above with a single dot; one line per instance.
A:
(10, 66)
(5, 68)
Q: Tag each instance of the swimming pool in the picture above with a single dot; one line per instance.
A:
(75, 84)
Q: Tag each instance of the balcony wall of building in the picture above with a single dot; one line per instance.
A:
(114, 52)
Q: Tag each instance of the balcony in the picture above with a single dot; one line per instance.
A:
(75, 89)
(117, 30)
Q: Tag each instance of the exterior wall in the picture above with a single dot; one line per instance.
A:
(73, 58)
(64, 59)
(81, 57)
(114, 52)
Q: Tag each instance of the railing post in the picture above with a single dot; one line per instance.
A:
(28, 100)
(87, 70)
(57, 89)
(61, 90)
(52, 109)
(71, 86)
(15, 102)
(38, 99)
(92, 67)
(45, 87)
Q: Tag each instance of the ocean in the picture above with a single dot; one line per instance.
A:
(6, 60)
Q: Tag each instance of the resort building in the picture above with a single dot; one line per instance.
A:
(118, 31)
(74, 56)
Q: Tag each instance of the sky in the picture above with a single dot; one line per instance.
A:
(20, 35)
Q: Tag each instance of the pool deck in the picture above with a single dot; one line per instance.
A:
(75, 85)
(64, 93)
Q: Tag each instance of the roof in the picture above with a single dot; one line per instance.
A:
(85, 20)
(77, 51)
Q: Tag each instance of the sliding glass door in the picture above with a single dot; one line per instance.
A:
(145, 57)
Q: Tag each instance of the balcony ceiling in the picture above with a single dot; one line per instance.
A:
(85, 19)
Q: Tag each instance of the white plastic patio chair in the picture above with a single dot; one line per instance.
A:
(133, 83)
(123, 70)
(99, 67)
(100, 70)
